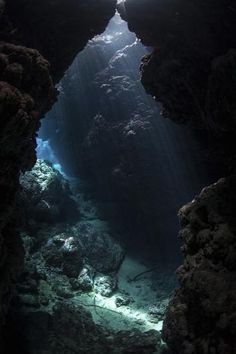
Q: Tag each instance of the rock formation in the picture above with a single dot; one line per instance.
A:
(191, 71)
(59, 30)
(64, 259)
(26, 92)
(45, 196)
(202, 315)
(193, 58)
(68, 328)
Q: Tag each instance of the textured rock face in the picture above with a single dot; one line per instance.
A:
(191, 71)
(63, 252)
(56, 240)
(63, 261)
(26, 89)
(202, 315)
(26, 92)
(58, 29)
(68, 328)
(45, 196)
(103, 253)
(50, 217)
(192, 62)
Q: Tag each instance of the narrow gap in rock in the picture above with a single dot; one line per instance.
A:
(100, 205)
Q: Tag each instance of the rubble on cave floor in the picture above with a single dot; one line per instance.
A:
(79, 264)
(136, 304)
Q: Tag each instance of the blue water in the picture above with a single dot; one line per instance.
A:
(45, 152)
(104, 81)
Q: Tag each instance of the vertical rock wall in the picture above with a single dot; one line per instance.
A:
(25, 89)
(59, 30)
(191, 71)
(202, 314)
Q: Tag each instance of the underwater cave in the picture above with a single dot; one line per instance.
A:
(117, 220)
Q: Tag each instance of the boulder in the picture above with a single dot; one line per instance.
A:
(105, 285)
(45, 196)
(85, 278)
(63, 252)
(98, 246)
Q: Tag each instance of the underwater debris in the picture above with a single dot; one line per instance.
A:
(123, 300)
(140, 274)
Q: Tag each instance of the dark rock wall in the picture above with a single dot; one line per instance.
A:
(192, 73)
(193, 57)
(191, 70)
(25, 89)
(202, 314)
(26, 92)
(58, 29)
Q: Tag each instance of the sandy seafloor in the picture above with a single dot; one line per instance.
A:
(149, 289)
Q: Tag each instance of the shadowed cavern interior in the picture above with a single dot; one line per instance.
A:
(117, 166)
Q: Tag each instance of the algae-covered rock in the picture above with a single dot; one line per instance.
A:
(46, 196)
(85, 278)
(105, 284)
(123, 300)
(63, 252)
(99, 247)
(157, 312)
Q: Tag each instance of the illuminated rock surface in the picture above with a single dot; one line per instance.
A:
(76, 290)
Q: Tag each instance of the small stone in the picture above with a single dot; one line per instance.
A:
(105, 285)
(85, 280)
(157, 312)
(123, 300)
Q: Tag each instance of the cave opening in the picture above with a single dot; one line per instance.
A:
(110, 178)
(89, 234)
(106, 132)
